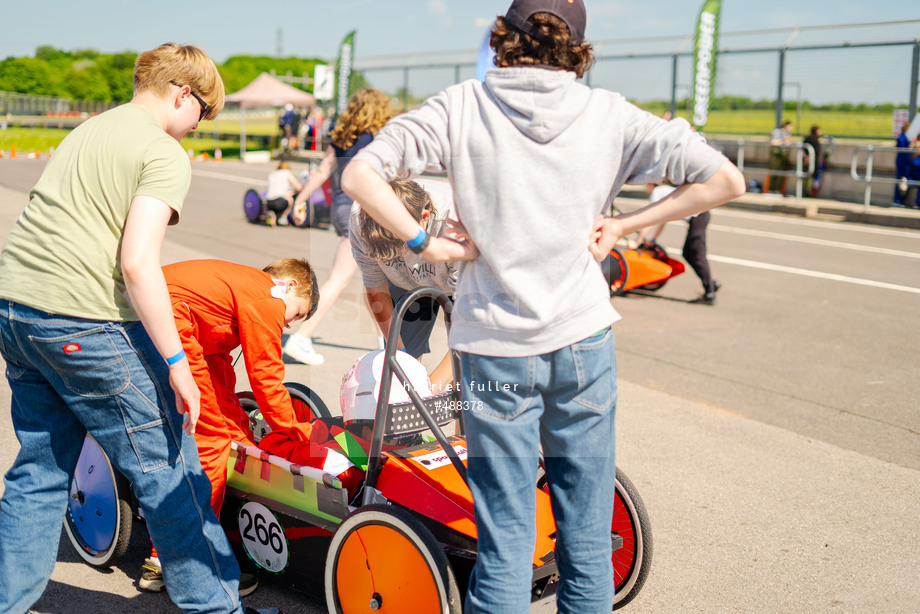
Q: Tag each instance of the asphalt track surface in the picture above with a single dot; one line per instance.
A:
(774, 437)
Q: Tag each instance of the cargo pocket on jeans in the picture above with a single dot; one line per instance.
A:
(596, 372)
(153, 441)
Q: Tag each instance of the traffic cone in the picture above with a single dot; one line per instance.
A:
(218, 156)
(13, 150)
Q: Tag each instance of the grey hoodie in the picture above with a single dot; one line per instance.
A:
(533, 158)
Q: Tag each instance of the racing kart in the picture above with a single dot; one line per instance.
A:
(255, 205)
(407, 541)
(647, 267)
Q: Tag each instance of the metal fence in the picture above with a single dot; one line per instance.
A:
(12, 103)
(869, 64)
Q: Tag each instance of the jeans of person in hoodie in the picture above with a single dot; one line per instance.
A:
(565, 400)
(69, 376)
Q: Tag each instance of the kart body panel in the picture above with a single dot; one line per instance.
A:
(309, 504)
(647, 267)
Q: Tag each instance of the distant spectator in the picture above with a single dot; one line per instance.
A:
(914, 173)
(290, 123)
(780, 139)
(813, 139)
(279, 196)
(902, 166)
(315, 125)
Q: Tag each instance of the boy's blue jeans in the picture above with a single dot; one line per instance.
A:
(69, 375)
(566, 401)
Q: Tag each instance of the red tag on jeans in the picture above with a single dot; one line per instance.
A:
(70, 348)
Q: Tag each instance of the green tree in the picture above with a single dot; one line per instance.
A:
(87, 83)
(29, 76)
(119, 74)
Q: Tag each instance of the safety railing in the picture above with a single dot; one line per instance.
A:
(869, 178)
(804, 160)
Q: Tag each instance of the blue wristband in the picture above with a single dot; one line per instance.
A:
(417, 240)
(175, 358)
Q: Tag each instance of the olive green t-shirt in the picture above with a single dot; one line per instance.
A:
(63, 254)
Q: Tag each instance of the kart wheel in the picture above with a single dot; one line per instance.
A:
(658, 285)
(661, 255)
(308, 406)
(382, 558)
(309, 215)
(616, 272)
(252, 206)
(630, 526)
(633, 559)
(257, 422)
(99, 517)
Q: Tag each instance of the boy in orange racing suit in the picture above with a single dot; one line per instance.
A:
(219, 306)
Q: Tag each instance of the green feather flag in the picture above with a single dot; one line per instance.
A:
(704, 61)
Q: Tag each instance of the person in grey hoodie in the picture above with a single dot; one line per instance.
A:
(534, 159)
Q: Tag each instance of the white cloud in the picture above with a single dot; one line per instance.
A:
(483, 22)
(437, 7)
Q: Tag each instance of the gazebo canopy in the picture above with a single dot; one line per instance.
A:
(267, 91)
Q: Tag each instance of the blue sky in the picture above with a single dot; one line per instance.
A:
(311, 28)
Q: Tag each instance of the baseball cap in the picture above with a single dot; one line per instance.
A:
(572, 12)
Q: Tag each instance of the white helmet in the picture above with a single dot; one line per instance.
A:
(361, 385)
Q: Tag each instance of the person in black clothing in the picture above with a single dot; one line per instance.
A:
(813, 139)
(694, 251)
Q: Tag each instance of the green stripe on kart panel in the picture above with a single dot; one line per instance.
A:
(352, 449)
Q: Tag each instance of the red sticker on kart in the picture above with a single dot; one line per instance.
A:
(70, 348)
(439, 458)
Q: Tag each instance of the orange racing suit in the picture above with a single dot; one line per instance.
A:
(218, 306)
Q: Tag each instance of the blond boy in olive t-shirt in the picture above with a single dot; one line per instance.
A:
(90, 344)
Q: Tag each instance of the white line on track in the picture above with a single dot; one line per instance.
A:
(813, 241)
(228, 177)
(808, 273)
(800, 221)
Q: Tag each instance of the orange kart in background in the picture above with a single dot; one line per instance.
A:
(648, 267)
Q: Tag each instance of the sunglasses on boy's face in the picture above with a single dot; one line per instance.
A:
(205, 107)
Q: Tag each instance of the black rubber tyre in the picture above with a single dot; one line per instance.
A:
(306, 396)
(632, 561)
(99, 516)
(631, 512)
(658, 285)
(616, 272)
(388, 559)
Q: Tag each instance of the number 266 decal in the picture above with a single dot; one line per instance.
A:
(263, 537)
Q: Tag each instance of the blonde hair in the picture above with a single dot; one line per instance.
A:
(382, 244)
(156, 69)
(368, 110)
(300, 271)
